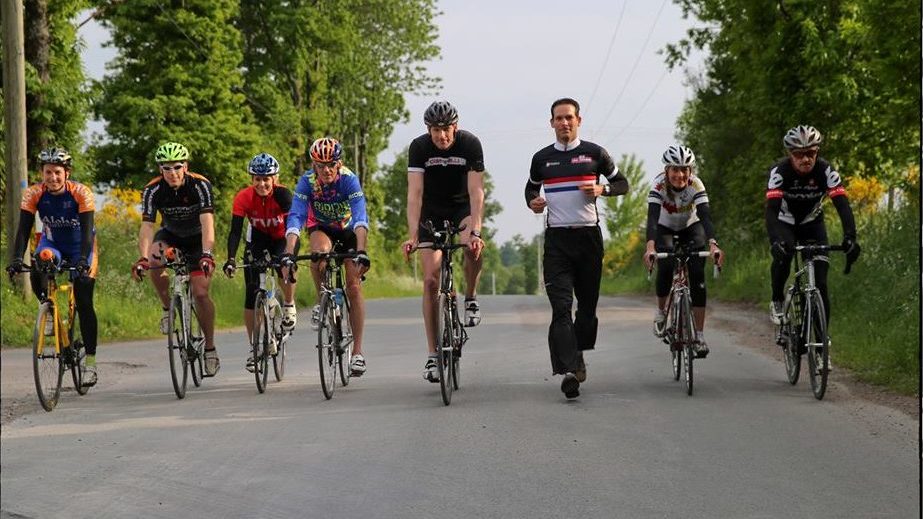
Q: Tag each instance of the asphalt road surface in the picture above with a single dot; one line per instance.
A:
(746, 445)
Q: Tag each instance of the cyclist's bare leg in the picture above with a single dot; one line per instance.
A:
(472, 266)
(248, 321)
(698, 318)
(288, 291)
(205, 308)
(320, 242)
(431, 264)
(662, 303)
(161, 283)
(356, 304)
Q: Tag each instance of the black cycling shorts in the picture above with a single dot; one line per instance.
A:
(452, 213)
(191, 246)
(343, 240)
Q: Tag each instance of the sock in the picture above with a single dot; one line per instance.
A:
(91, 361)
(699, 335)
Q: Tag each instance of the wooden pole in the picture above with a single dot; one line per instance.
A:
(14, 118)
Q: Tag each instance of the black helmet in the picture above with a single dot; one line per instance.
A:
(440, 113)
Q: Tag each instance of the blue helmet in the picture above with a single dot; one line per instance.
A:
(263, 165)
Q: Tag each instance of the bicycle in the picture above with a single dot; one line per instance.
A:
(334, 331)
(450, 334)
(803, 326)
(679, 330)
(63, 350)
(185, 340)
(267, 339)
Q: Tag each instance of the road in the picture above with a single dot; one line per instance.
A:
(746, 445)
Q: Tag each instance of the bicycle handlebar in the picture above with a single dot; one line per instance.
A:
(716, 270)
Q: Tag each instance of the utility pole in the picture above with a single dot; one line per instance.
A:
(14, 117)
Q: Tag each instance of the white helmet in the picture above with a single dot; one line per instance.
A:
(678, 156)
(802, 136)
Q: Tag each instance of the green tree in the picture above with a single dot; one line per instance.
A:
(176, 78)
(626, 213)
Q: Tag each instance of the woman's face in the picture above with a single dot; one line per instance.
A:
(263, 184)
(678, 176)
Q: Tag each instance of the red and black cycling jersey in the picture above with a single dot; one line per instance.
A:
(445, 172)
(266, 214)
(179, 208)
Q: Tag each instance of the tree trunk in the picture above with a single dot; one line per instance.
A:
(37, 51)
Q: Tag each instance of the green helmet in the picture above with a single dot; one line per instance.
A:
(171, 152)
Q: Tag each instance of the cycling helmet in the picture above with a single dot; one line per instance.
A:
(440, 113)
(58, 156)
(263, 165)
(678, 156)
(802, 136)
(171, 152)
(326, 149)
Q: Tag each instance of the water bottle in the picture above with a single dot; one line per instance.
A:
(338, 296)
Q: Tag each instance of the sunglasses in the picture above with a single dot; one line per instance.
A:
(801, 154)
(171, 168)
(324, 165)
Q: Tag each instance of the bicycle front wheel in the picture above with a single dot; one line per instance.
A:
(46, 363)
(278, 360)
(818, 346)
(176, 347)
(672, 337)
(259, 343)
(444, 349)
(791, 339)
(78, 355)
(326, 346)
(195, 350)
(345, 349)
(688, 337)
(458, 337)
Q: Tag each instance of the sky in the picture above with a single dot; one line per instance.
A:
(503, 63)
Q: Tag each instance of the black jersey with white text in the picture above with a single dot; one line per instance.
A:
(561, 171)
(445, 172)
(180, 208)
(802, 194)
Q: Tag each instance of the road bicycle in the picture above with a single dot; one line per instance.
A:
(679, 330)
(267, 340)
(803, 325)
(334, 331)
(450, 334)
(185, 339)
(63, 349)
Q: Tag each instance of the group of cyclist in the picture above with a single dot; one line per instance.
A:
(444, 184)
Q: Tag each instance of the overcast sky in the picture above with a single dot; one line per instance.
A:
(503, 63)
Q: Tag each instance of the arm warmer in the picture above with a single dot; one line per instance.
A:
(653, 215)
(86, 233)
(237, 226)
(846, 218)
(619, 185)
(26, 220)
(532, 190)
(773, 225)
(704, 214)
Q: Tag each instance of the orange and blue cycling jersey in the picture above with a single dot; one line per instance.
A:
(339, 205)
(63, 225)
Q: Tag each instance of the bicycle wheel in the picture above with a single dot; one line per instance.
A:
(444, 349)
(818, 345)
(278, 360)
(792, 339)
(326, 346)
(259, 342)
(195, 349)
(457, 339)
(46, 363)
(688, 350)
(345, 348)
(176, 347)
(77, 355)
(672, 337)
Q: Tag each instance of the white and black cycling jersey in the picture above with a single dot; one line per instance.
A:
(802, 194)
(677, 208)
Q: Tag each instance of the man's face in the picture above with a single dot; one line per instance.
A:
(174, 173)
(262, 184)
(443, 136)
(327, 172)
(678, 176)
(565, 122)
(803, 159)
(54, 176)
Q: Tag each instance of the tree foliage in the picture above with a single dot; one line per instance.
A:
(849, 67)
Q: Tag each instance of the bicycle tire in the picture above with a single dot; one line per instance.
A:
(456, 348)
(326, 346)
(671, 337)
(176, 348)
(78, 353)
(818, 345)
(444, 349)
(196, 348)
(259, 343)
(688, 348)
(791, 337)
(47, 367)
(278, 360)
(345, 353)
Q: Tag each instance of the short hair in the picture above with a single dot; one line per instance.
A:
(565, 101)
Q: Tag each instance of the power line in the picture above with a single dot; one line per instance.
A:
(634, 67)
(641, 109)
(608, 53)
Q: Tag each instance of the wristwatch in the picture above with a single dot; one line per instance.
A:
(713, 242)
(607, 190)
(476, 233)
